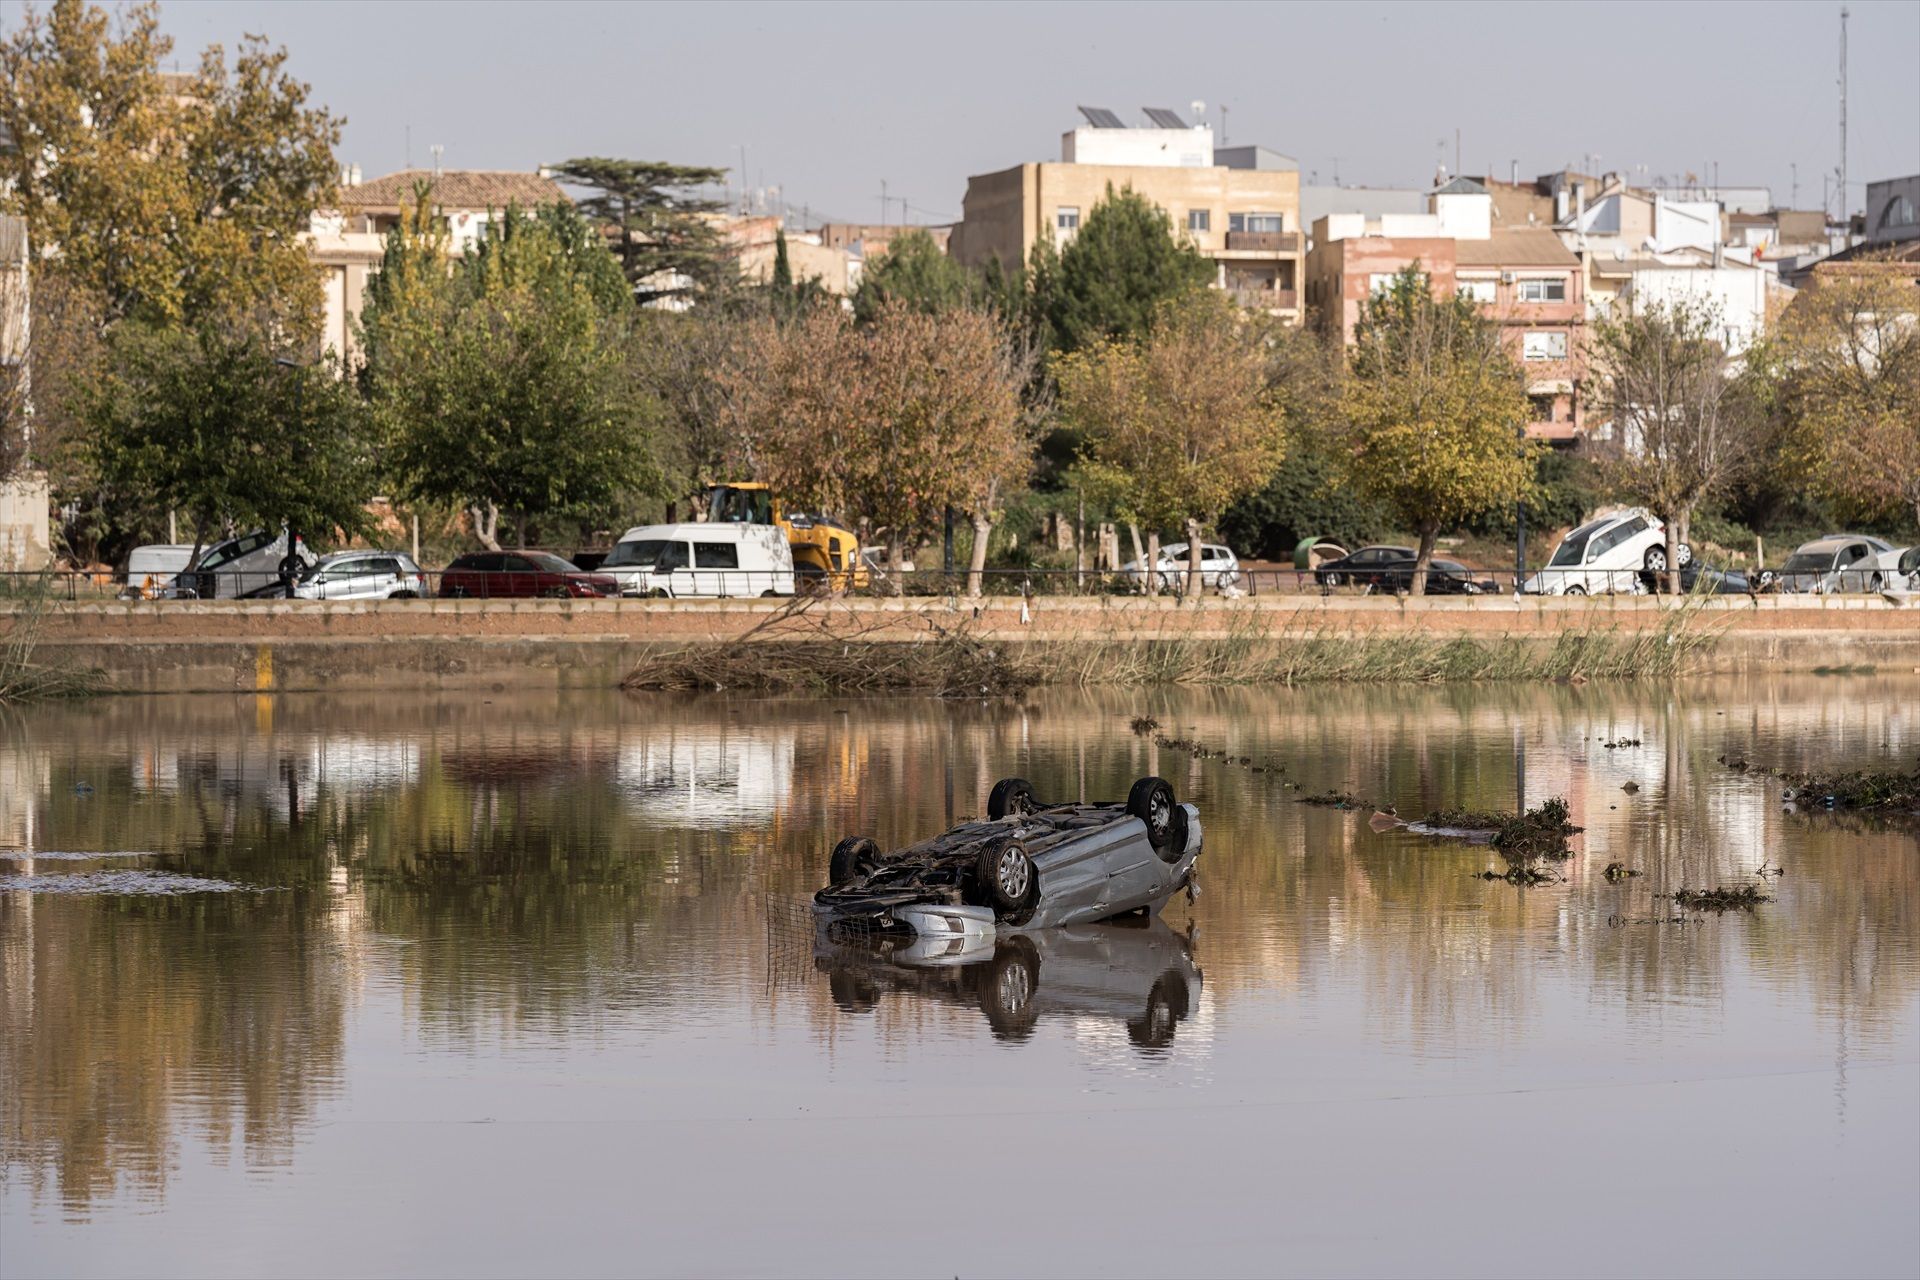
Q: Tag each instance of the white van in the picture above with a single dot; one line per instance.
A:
(1607, 556)
(152, 569)
(701, 561)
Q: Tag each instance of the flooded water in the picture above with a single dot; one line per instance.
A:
(469, 986)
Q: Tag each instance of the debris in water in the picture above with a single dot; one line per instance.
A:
(70, 855)
(1335, 800)
(1879, 790)
(1465, 819)
(1629, 786)
(1537, 833)
(1622, 742)
(145, 884)
(1744, 898)
(1618, 871)
(1142, 726)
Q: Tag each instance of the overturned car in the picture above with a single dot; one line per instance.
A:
(1029, 865)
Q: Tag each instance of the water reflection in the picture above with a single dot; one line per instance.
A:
(593, 876)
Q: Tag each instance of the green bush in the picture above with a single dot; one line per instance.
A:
(1305, 499)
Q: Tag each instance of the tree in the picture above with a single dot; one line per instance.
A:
(687, 361)
(211, 422)
(1178, 424)
(503, 386)
(1120, 268)
(1681, 432)
(896, 422)
(1436, 413)
(916, 274)
(1843, 372)
(170, 203)
(669, 243)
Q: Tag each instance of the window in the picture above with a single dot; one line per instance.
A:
(1067, 217)
(716, 555)
(1541, 407)
(638, 554)
(673, 555)
(1476, 290)
(1254, 222)
(1544, 346)
(1543, 291)
(1381, 282)
(1199, 219)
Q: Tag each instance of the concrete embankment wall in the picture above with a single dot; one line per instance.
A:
(222, 646)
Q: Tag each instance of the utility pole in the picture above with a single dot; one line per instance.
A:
(1846, 226)
(1223, 124)
(883, 202)
(1793, 201)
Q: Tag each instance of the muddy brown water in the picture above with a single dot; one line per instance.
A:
(471, 986)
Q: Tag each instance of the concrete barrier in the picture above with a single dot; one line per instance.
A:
(170, 646)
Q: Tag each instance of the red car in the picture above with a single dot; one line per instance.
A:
(503, 574)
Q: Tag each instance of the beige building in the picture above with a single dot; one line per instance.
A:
(754, 243)
(1239, 207)
(346, 242)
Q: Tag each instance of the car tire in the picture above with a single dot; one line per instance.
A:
(1575, 590)
(1656, 561)
(404, 595)
(1876, 583)
(1167, 1004)
(1006, 877)
(1010, 795)
(1151, 801)
(853, 856)
(1009, 987)
(1332, 580)
(459, 593)
(1177, 835)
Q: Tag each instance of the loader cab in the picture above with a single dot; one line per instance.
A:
(740, 504)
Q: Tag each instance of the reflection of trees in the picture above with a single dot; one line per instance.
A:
(222, 1013)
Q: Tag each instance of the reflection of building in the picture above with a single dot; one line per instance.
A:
(708, 780)
(1239, 206)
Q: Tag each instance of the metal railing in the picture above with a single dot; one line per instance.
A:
(638, 585)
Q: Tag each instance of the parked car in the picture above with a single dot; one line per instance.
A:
(239, 566)
(1908, 568)
(1606, 556)
(498, 574)
(702, 561)
(1362, 567)
(362, 575)
(1444, 578)
(152, 571)
(1029, 865)
(1839, 563)
(1219, 567)
(1705, 578)
(1139, 974)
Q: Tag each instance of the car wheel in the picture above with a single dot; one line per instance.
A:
(768, 592)
(1332, 580)
(1576, 590)
(1686, 555)
(852, 857)
(1006, 877)
(1875, 583)
(460, 593)
(1656, 559)
(1010, 795)
(1151, 801)
(1009, 987)
(404, 595)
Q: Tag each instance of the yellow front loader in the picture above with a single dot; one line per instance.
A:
(825, 554)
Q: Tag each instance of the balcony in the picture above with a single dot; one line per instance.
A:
(1266, 299)
(1263, 242)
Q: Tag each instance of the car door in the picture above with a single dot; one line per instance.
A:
(673, 569)
(716, 570)
(337, 581)
(517, 576)
(1856, 567)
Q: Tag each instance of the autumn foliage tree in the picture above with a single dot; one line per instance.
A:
(1842, 372)
(1177, 424)
(1436, 412)
(896, 421)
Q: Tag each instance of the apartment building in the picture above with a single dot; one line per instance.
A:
(1523, 278)
(1239, 206)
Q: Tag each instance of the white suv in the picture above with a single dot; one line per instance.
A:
(1219, 567)
(1606, 555)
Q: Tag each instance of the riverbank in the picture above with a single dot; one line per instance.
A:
(222, 646)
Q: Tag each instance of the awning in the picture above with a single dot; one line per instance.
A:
(1558, 387)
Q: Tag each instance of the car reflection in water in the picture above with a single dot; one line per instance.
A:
(1137, 970)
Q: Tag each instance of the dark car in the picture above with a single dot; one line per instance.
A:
(1704, 578)
(1362, 568)
(496, 574)
(1444, 578)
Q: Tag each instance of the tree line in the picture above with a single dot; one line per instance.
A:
(586, 363)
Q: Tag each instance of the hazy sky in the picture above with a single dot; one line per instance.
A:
(829, 100)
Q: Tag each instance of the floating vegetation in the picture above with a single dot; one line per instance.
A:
(1618, 871)
(1525, 877)
(1630, 786)
(1872, 790)
(69, 855)
(1744, 898)
(1147, 726)
(1464, 820)
(145, 884)
(1144, 726)
(1538, 833)
(1621, 742)
(1335, 800)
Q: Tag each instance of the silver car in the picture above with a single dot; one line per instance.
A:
(362, 575)
(1837, 563)
(1029, 865)
(237, 567)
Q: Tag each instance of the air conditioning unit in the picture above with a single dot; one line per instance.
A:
(1506, 277)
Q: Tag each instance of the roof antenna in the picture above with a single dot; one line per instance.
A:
(436, 149)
